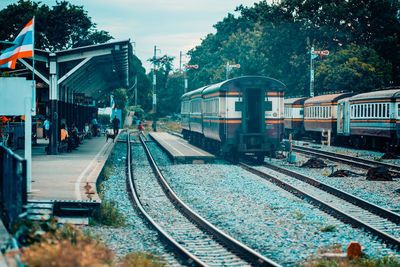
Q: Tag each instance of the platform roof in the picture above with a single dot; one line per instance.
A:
(93, 70)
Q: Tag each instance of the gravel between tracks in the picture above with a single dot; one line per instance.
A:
(136, 235)
(382, 193)
(260, 214)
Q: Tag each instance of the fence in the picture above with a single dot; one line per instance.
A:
(13, 190)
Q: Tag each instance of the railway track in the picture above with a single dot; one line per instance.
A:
(358, 162)
(380, 222)
(193, 238)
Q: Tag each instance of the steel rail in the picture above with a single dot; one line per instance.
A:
(380, 211)
(346, 159)
(234, 245)
(180, 250)
(325, 206)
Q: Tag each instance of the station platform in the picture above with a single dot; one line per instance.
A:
(66, 176)
(179, 150)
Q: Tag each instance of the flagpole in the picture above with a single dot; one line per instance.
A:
(33, 68)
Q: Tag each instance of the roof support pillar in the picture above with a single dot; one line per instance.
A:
(53, 97)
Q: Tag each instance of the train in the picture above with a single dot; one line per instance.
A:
(366, 120)
(237, 117)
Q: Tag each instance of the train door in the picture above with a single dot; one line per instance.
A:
(343, 118)
(253, 110)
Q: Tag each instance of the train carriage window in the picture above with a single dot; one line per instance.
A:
(398, 110)
(362, 111)
(379, 110)
(387, 111)
(301, 112)
(384, 110)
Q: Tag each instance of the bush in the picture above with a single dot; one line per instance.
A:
(60, 245)
(108, 214)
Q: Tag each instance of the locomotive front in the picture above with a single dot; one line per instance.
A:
(253, 116)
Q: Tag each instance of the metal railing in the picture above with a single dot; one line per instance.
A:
(13, 190)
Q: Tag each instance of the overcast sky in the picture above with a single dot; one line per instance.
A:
(171, 25)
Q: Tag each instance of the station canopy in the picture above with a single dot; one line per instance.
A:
(92, 70)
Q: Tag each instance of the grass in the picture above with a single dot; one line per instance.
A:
(108, 214)
(298, 215)
(141, 259)
(379, 159)
(318, 261)
(63, 245)
(328, 228)
(363, 262)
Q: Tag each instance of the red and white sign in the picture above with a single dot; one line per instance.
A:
(234, 66)
(322, 53)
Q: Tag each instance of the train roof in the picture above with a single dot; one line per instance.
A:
(295, 101)
(386, 94)
(193, 93)
(235, 84)
(326, 99)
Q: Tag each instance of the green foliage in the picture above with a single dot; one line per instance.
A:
(170, 97)
(64, 245)
(275, 39)
(328, 228)
(59, 27)
(354, 68)
(298, 215)
(108, 214)
(103, 119)
(141, 259)
(363, 262)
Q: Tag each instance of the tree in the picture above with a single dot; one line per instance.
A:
(170, 96)
(62, 26)
(353, 69)
(164, 67)
(275, 40)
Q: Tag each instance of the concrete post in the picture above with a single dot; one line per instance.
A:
(53, 97)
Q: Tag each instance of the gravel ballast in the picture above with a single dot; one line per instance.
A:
(260, 214)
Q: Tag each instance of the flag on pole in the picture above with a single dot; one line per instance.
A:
(112, 102)
(23, 47)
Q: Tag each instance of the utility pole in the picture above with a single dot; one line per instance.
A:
(314, 54)
(136, 91)
(187, 68)
(154, 91)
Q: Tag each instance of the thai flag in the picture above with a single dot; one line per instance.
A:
(112, 102)
(23, 47)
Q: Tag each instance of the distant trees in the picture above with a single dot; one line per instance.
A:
(275, 40)
(59, 27)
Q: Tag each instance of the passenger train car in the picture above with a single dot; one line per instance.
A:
(362, 120)
(320, 114)
(294, 116)
(236, 117)
(370, 119)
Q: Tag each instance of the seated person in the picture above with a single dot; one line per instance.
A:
(76, 140)
(65, 138)
(86, 131)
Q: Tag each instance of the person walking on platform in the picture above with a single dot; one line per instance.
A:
(95, 124)
(46, 127)
(140, 132)
(116, 123)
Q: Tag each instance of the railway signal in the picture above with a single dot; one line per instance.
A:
(229, 68)
(314, 54)
(188, 67)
